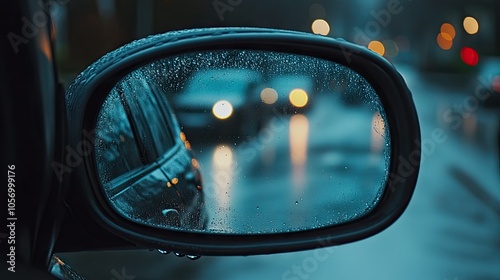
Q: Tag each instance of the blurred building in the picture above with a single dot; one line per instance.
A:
(406, 29)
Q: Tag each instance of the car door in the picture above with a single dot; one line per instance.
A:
(179, 195)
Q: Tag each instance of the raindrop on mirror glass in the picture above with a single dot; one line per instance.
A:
(163, 252)
(296, 202)
(193, 257)
(179, 254)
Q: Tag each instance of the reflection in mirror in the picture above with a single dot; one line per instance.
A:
(284, 142)
(146, 170)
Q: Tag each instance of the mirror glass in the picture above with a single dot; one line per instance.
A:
(240, 141)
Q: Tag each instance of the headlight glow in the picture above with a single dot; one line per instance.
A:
(298, 97)
(222, 109)
(269, 96)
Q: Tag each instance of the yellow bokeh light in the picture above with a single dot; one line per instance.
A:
(222, 109)
(444, 41)
(377, 47)
(448, 30)
(298, 97)
(320, 26)
(269, 96)
(471, 25)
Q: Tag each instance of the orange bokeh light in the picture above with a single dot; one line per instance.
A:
(444, 41)
(449, 30)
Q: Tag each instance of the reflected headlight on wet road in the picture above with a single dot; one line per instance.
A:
(222, 109)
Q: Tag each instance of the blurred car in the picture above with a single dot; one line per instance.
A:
(289, 94)
(159, 167)
(219, 101)
(489, 77)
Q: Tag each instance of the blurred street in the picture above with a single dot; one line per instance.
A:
(451, 229)
(298, 168)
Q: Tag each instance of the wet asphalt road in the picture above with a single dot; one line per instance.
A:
(299, 172)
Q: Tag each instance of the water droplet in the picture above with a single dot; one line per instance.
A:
(296, 202)
(180, 255)
(193, 257)
(163, 252)
(258, 207)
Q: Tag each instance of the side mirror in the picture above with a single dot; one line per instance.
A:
(241, 141)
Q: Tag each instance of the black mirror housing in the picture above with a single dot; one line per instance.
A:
(88, 202)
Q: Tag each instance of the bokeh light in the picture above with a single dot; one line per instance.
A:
(469, 56)
(444, 41)
(320, 26)
(377, 47)
(471, 25)
(222, 109)
(298, 97)
(269, 96)
(448, 30)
